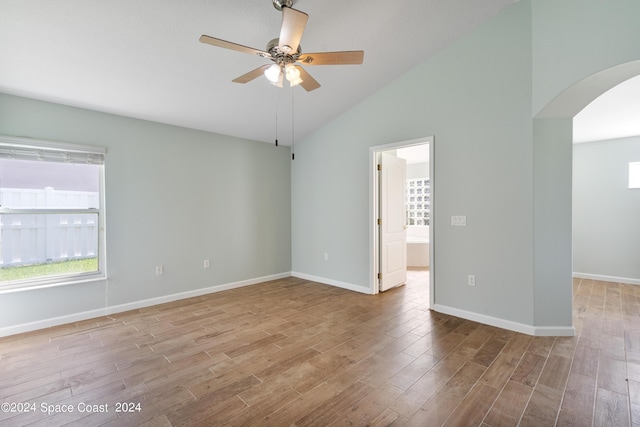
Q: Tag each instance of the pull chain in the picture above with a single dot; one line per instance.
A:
(293, 154)
(275, 91)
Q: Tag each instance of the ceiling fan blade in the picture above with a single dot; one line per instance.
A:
(233, 46)
(293, 23)
(253, 74)
(333, 58)
(308, 82)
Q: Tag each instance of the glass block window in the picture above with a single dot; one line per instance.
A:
(418, 190)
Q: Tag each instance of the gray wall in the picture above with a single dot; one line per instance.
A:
(508, 171)
(606, 225)
(175, 197)
(474, 97)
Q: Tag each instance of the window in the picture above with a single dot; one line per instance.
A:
(634, 175)
(418, 214)
(51, 213)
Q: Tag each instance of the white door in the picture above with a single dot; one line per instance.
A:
(393, 236)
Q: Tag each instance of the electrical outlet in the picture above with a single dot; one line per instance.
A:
(471, 280)
(159, 270)
(326, 256)
(206, 263)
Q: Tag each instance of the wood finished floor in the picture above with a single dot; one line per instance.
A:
(293, 352)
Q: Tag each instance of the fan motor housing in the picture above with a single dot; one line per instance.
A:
(279, 4)
(279, 56)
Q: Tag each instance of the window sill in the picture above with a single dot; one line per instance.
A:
(52, 282)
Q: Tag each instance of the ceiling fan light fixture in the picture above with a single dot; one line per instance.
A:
(295, 82)
(273, 73)
(292, 74)
(279, 82)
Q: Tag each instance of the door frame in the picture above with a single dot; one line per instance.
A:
(374, 208)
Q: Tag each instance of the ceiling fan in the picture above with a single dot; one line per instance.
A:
(286, 54)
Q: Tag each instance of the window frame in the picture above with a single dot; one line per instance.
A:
(26, 144)
(634, 175)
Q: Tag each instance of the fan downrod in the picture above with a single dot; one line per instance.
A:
(279, 4)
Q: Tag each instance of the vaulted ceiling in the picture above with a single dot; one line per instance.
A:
(143, 59)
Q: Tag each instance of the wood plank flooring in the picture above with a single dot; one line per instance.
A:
(294, 352)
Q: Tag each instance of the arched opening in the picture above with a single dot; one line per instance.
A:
(579, 95)
(553, 154)
(606, 200)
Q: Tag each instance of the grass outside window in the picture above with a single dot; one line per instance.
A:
(31, 271)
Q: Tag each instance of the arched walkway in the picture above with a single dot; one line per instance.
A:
(552, 145)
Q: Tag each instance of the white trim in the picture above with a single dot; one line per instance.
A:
(432, 220)
(195, 293)
(374, 253)
(51, 322)
(603, 278)
(52, 282)
(331, 282)
(101, 312)
(554, 331)
(541, 331)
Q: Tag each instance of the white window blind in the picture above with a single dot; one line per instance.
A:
(28, 149)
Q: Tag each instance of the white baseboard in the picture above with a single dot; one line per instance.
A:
(541, 331)
(85, 315)
(603, 278)
(77, 317)
(52, 321)
(336, 283)
(195, 293)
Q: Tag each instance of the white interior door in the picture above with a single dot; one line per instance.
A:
(393, 235)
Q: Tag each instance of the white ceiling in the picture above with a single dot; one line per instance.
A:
(142, 58)
(614, 114)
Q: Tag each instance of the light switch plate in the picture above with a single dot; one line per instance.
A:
(459, 220)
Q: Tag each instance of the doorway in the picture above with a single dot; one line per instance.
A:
(418, 213)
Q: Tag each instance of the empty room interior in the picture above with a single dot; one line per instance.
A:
(277, 212)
